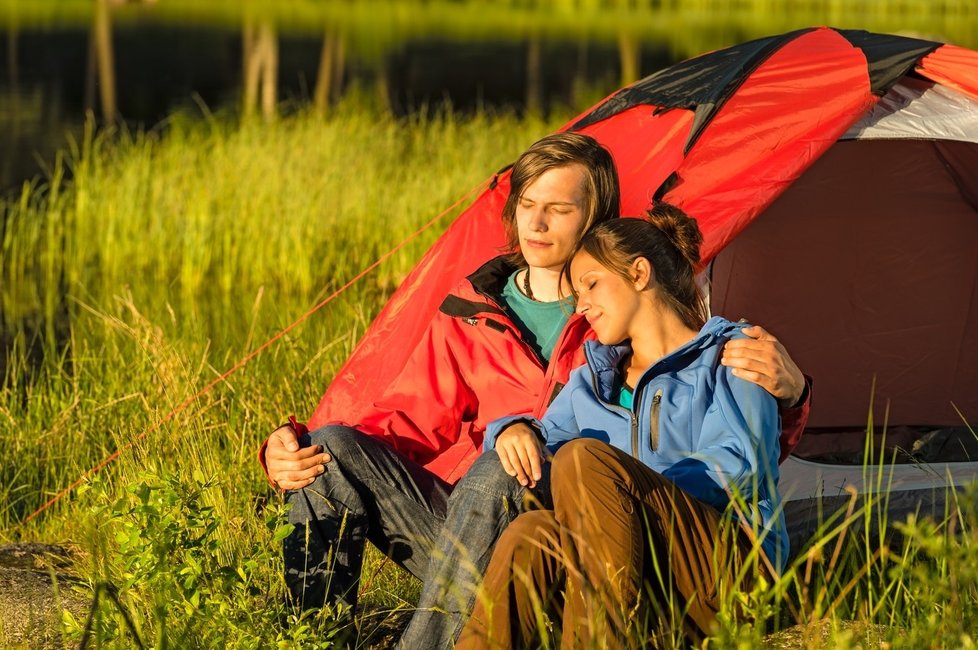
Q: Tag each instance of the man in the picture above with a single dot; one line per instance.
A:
(503, 342)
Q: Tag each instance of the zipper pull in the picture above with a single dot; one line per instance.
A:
(654, 418)
(470, 321)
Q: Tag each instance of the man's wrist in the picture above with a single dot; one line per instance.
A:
(798, 402)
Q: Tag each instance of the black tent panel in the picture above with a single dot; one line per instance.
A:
(888, 57)
(702, 84)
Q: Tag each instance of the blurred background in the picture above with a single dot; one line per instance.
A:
(135, 62)
(181, 180)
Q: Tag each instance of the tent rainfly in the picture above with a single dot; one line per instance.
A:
(834, 174)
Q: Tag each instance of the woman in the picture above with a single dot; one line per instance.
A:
(654, 436)
(502, 342)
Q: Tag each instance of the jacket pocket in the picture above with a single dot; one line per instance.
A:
(654, 419)
(671, 417)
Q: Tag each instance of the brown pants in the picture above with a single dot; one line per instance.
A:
(625, 558)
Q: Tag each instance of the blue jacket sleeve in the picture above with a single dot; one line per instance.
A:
(559, 423)
(737, 446)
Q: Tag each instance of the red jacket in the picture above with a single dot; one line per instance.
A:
(472, 366)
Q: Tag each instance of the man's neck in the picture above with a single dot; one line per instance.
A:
(545, 284)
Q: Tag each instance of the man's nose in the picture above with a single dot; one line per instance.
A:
(538, 220)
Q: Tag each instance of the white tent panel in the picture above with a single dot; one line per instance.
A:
(915, 108)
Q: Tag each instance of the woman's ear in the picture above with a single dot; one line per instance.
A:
(642, 275)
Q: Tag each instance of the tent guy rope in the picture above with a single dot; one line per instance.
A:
(254, 353)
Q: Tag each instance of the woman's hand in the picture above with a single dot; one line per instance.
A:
(521, 452)
(762, 359)
(289, 466)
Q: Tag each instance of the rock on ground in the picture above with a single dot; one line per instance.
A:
(34, 590)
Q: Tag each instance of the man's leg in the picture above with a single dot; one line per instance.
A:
(368, 492)
(522, 587)
(482, 505)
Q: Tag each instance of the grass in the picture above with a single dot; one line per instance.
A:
(149, 262)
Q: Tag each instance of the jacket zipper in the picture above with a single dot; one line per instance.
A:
(656, 402)
(633, 418)
(634, 434)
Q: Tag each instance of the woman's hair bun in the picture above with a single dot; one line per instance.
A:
(679, 228)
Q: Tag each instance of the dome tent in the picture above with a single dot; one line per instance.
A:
(834, 175)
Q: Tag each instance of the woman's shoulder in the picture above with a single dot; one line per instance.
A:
(722, 327)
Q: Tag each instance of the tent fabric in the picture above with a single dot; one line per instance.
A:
(702, 84)
(918, 108)
(889, 316)
(733, 130)
(888, 58)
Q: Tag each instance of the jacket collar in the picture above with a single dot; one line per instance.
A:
(605, 360)
(490, 278)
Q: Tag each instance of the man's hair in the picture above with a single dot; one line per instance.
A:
(602, 193)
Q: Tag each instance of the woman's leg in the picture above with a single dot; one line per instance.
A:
(522, 587)
(368, 492)
(629, 529)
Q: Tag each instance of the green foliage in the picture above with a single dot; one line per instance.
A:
(375, 28)
(151, 262)
(165, 576)
(168, 256)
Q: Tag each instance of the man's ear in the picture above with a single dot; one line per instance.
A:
(642, 274)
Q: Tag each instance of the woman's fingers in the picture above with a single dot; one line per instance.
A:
(511, 461)
(519, 453)
(529, 459)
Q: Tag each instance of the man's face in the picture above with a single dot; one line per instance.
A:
(550, 215)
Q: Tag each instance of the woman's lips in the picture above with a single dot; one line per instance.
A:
(534, 243)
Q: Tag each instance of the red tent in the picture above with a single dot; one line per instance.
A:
(834, 174)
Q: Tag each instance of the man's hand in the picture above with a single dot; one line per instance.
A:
(290, 467)
(521, 453)
(762, 359)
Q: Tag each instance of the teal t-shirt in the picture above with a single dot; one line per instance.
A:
(540, 322)
(623, 395)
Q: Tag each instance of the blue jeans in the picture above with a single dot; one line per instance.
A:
(444, 536)
(482, 505)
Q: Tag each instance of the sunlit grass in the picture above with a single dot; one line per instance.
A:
(150, 262)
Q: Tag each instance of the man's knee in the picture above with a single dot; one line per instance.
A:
(337, 440)
(330, 494)
(488, 477)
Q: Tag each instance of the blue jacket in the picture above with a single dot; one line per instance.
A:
(691, 420)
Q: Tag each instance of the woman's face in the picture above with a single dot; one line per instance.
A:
(608, 301)
(550, 215)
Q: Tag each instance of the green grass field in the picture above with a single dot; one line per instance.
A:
(149, 263)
